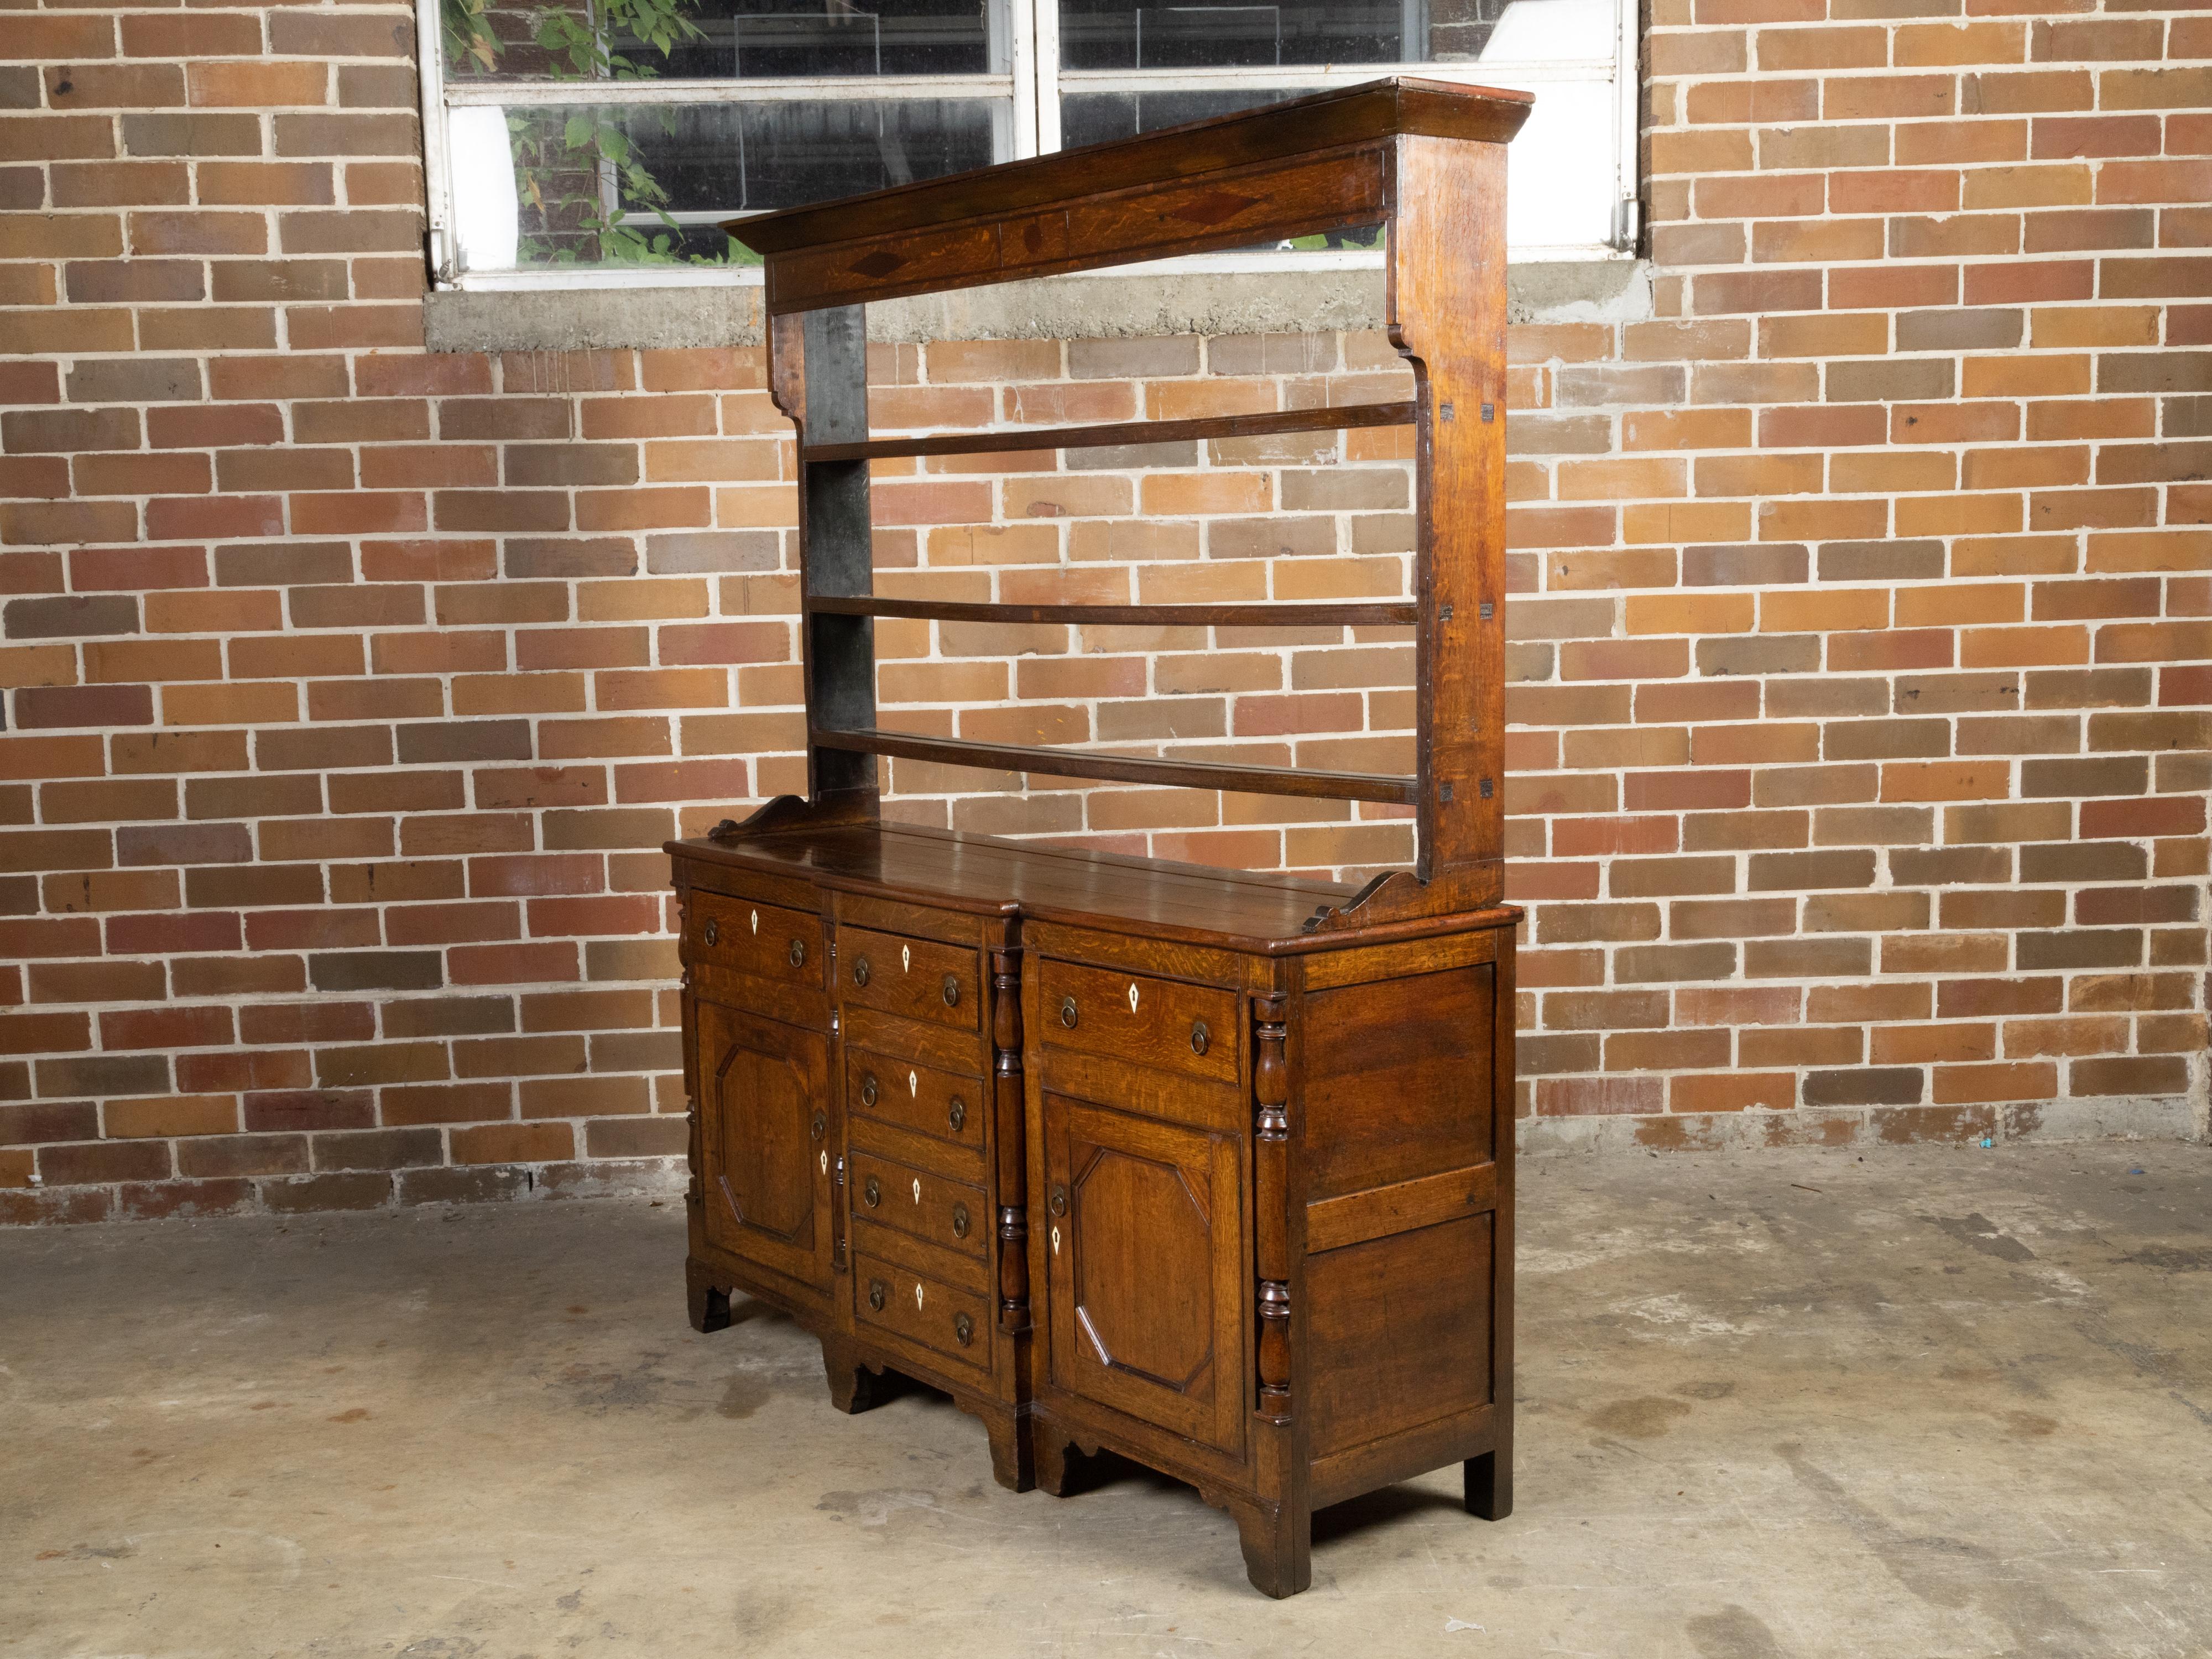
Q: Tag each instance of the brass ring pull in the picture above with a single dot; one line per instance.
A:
(1067, 1013)
(956, 1115)
(821, 1126)
(1060, 1200)
(797, 952)
(963, 1329)
(873, 1190)
(711, 932)
(859, 970)
(951, 991)
(960, 1221)
(868, 1090)
(875, 1294)
(1201, 1038)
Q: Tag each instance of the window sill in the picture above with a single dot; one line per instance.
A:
(1172, 297)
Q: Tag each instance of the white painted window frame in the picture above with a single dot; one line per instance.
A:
(1034, 83)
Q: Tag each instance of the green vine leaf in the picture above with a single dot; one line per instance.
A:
(578, 42)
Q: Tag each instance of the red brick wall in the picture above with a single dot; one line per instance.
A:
(1861, 610)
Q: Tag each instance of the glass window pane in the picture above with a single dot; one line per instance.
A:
(1559, 171)
(749, 158)
(1103, 35)
(600, 183)
(1114, 35)
(1093, 118)
(1523, 32)
(756, 39)
(725, 39)
(489, 40)
(1563, 169)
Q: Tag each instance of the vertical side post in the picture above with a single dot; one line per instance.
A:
(1011, 1106)
(694, 1145)
(708, 1303)
(1489, 1478)
(1270, 1151)
(1276, 1525)
(1447, 316)
(830, 386)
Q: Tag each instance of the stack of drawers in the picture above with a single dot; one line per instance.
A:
(1211, 1193)
(917, 1065)
(851, 1110)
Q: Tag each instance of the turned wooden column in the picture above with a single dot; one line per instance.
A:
(1275, 1524)
(1007, 1082)
(1271, 1160)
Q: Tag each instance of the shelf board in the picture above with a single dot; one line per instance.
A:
(1339, 417)
(1122, 768)
(1350, 614)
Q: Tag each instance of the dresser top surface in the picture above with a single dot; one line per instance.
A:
(1263, 910)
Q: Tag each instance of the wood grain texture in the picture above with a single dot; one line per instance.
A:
(985, 874)
(1272, 1205)
(1033, 439)
(1144, 1239)
(1398, 1080)
(914, 978)
(837, 652)
(1234, 1196)
(1395, 1457)
(1334, 1223)
(765, 941)
(1383, 615)
(1141, 1020)
(928, 1312)
(953, 1215)
(764, 1086)
(1447, 309)
(1195, 907)
(903, 1092)
(1269, 203)
(1279, 1265)
(1402, 1332)
(1009, 1099)
(1271, 135)
(1119, 769)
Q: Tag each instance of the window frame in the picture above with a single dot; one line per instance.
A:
(1034, 83)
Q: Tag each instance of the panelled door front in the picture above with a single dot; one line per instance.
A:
(765, 1132)
(1144, 1239)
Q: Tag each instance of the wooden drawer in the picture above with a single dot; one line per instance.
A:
(914, 978)
(1133, 1018)
(765, 940)
(926, 1311)
(950, 1214)
(944, 1105)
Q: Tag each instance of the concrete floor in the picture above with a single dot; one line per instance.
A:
(1933, 1403)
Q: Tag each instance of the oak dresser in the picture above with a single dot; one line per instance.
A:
(1210, 1170)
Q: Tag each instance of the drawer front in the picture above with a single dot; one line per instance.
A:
(942, 1105)
(947, 1213)
(914, 978)
(926, 1311)
(1132, 1017)
(764, 940)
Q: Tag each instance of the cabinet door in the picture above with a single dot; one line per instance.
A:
(1145, 1242)
(764, 1130)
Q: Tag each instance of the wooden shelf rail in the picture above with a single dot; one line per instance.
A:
(1339, 417)
(1387, 613)
(1122, 768)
